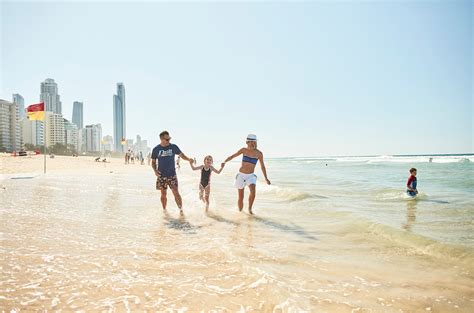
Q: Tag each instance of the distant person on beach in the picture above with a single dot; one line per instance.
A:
(205, 183)
(148, 158)
(411, 183)
(163, 165)
(246, 177)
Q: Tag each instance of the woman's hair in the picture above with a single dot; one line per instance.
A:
(208, 156)
(249, 141)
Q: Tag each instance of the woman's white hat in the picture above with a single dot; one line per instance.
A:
(251, 137)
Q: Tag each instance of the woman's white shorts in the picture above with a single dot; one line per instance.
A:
(242, 180)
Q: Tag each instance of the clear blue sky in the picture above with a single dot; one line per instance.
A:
(310, 79)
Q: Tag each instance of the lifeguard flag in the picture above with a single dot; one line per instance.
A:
(35, 112)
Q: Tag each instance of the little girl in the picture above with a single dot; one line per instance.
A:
(205, 184)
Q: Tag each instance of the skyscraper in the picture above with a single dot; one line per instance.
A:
(18, 99)
(119, 117)
(49, 95)
(54, 129)
(93, 134)
(10, 135)
(71, 135)
(77, 114)
(32, 132)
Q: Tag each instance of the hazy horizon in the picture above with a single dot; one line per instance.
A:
(310, 79)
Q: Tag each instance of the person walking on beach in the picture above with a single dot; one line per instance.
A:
(246, 177)
(205, 183)
(148, 158)
(163, 164)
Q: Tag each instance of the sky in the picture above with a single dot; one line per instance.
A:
(314, 78)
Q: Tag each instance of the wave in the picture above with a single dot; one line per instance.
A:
(287, 194)
(387, 159)
(397, 194)
(411, 243)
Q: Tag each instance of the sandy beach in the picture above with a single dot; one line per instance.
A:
(91, 236)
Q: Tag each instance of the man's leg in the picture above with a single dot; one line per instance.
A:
(164, 200)
(177, 197)
(251, 197)
(240, 202)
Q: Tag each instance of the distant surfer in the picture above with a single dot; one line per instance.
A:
(411, 183)
(246, 177)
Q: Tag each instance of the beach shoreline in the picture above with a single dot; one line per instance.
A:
(92, 236)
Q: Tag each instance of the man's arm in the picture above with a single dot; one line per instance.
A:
(234, 155)
(184, 157)
(153, 165)
(264, 169)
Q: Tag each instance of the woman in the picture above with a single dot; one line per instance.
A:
(246, 177)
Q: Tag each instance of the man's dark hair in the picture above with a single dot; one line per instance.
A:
(164, 133)
(412, 170)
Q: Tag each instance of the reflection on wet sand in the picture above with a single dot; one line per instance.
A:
(411, 215)
(179, 223)
(284, 228)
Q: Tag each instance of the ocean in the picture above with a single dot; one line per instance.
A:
(333, 234)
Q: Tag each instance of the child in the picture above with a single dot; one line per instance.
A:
(411, 183)
(205, 184)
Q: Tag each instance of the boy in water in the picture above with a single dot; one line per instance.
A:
(411, 183)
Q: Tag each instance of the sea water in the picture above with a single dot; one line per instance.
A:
(329, 234)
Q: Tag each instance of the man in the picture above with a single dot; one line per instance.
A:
(166, 172)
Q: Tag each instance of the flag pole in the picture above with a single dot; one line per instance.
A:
(44, 142)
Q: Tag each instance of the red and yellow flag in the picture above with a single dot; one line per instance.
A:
(36, 112)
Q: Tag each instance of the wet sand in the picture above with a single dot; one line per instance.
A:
(93, 237)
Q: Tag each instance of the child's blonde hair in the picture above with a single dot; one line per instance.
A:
(210, 157)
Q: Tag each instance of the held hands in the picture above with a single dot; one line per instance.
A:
(222, 164)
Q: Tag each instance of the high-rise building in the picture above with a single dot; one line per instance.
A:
(49, 95)
(10, 135)
(144, 147)
(18, 99)
(32, 132)
(119, 118)
(71, 134)
(81, 138)
(77, 114)
(93, 136)
(54, 129)
(129, 145)
(108, 143)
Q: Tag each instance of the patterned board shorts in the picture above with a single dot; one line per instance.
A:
(164, 182)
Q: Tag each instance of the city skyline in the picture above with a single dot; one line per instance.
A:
(325, 82)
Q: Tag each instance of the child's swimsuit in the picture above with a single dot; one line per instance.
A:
(411, 183)
(205, 177)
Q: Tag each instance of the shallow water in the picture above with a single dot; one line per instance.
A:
(340, 237)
